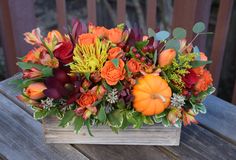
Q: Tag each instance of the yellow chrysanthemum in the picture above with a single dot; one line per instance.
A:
(89, 58)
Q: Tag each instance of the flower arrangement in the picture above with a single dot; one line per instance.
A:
(116, 77)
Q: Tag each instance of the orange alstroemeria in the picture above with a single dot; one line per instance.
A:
(33, 37)
(32, 73)
(35, 90)
(45, 59)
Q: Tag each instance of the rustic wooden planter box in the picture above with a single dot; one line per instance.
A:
(147, 135)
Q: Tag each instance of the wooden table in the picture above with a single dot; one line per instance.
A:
(21, 137)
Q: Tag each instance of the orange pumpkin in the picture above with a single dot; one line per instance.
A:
(151, 95)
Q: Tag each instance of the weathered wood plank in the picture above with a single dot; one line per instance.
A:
(220, 37)
(91, 7)
(22, 137)
(147, 135)
(220, 117)
(61, 14)
(151, 13)
(121, 11)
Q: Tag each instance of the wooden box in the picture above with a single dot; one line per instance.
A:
(147, 135)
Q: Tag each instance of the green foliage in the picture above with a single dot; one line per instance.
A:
(78, 123)
(102, 114)
(151, 32)
(196, 64)
(88, 125)
(115, 118)
(179, 33)
(173, 73)
(139, 45)
(115, 61)
(155, 58)
(172, 43)
(68, 117)
(40, 114)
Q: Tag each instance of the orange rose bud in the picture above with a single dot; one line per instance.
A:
(115, 52)
(35, 90)
(98, 31)
(87, 38)
(86, 99)
(133, 65)
(115, 35)
(166, 57)
(113, 74)
(200, 70)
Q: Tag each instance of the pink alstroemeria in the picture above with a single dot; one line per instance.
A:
(32, 73)
(33, 37)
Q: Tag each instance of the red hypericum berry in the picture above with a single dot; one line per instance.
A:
(127, 48)
(143, 59)
(134, 50)
(195, 93)
(185, 92)
(145, 49)
(137, 55)
(150, 48)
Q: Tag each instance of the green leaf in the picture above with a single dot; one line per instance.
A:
(196, 64)
(119, 86)
(179, 33)
(163, 114)
(157, 119)
(102, 114)
(121, 104)
(155, 58)
(125, 122)
(162, 35)
(115, 62)
(40, 114)
(68, 116)
(104, 83)
(148, 120)
(151, 32)
(28, 65)
(87, 76)
(115, 118)
(201, 108)
(47, 72)
(199, 27)
(45, 45)
(173, 43)
(141, 44)
(178, 123)
(165, 122)
(87, 123)
(78, 123)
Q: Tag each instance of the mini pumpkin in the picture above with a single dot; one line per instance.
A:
(151, 95)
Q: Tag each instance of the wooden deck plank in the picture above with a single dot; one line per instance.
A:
(23, 137)
(220, 117)
(196, 142)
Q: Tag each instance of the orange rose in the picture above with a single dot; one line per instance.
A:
(115, 52)
(166, 57)
(98, 31)
(204, 82)
(200, 70)
(35, 90)
(115, 35)
(86, 99)
(133, 65)
(113, 74)
(87, 38)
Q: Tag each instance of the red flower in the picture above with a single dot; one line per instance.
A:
(64, 52)
(190, 79)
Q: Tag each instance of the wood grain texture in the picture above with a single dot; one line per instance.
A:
(220, 117)
(61, 14)
(147, 135)
(91, 7)
(22, 138)
(121, 11)
(220, 37)
(151, 13)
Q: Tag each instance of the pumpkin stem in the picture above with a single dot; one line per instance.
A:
(156, 96)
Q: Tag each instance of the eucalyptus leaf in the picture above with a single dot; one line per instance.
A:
(78, 123)
(173, 44)
(199, 27)
(179, 33)
(197, 52)
(151, 32)
(68, 116)
(196, 64)
(162, 35)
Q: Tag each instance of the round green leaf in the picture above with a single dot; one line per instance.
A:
(199, 27)
(162, 35)
(174, 44)
(179, 33)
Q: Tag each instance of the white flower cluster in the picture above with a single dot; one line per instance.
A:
(112, 96)
(177, 100)
(47, 103)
